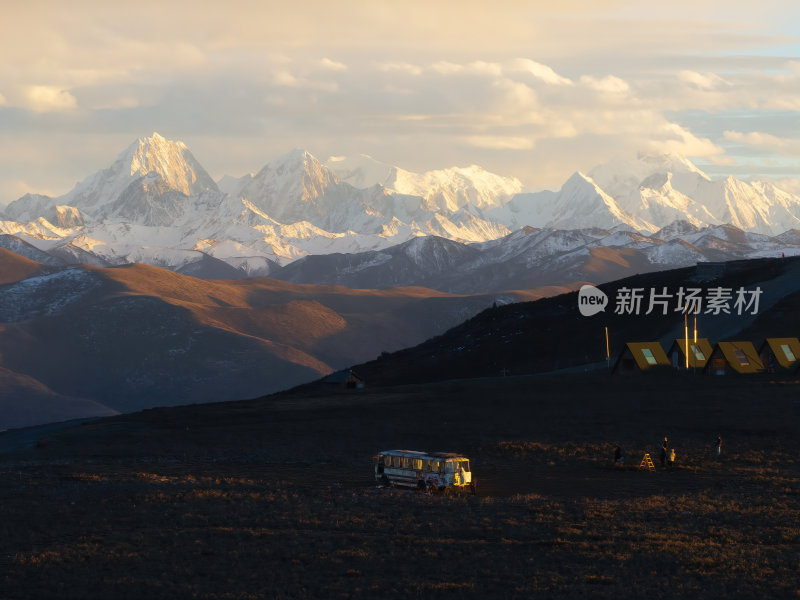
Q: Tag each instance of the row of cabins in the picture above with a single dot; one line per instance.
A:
(775, 355)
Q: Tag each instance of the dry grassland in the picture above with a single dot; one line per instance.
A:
(273, 498)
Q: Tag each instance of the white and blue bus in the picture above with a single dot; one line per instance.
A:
(426, 471)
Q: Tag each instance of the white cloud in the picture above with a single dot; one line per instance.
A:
(332, 65)
(447, 68)
(608, 84)
(765, 142)
(531, 84)
(703, 81)
(677, 139)
(400, 67)
(539, 71)
(48, 98)
(498, 142)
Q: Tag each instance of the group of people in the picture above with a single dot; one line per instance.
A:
(667, 453)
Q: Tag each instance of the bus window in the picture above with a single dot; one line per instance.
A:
(450, 466)
(426, 464)
(465, 465)
(416, 464)
(436, 466)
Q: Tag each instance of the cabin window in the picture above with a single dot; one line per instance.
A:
(648, 356)
(741, 357)
(788, 353)
(465, 465)
(698, 354)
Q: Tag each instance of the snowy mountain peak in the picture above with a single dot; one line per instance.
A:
(171, 161)
(361, 171)
(294, 161)
(148, 183)
(289, 187)
(670, 162)
(447, 189)
(581, 202)
(676, 229)
(621, 176)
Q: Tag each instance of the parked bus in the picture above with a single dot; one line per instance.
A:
(427, 471)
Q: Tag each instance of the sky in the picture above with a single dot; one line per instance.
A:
(532, 89)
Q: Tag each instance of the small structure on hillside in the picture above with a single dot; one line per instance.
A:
(734, 357)
(640, 357)
(780, 354)
(345, 378)
(699, 352)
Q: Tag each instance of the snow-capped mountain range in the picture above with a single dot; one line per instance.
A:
(156, 204)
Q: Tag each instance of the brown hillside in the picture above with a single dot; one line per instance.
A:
(14, 267)
(139, 336)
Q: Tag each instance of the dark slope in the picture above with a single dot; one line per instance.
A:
(551, 334)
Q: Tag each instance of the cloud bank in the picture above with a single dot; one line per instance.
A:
(521, 88)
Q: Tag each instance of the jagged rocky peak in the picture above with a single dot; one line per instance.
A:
(675, 230)
(171, 160)
(28, 207)
(622, 176)
(67, 216)
(297, 163)
(295, 176)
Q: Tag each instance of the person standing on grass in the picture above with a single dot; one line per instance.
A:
(719, 445)
(664, 452)
(671, 458)
(617, 455)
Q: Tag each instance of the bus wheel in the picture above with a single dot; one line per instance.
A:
(421, 486)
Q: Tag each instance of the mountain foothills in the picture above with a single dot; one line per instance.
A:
(157, 205)
(79, 340)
